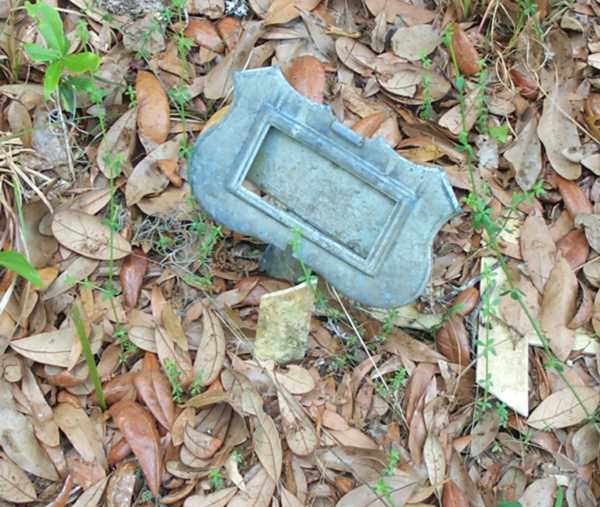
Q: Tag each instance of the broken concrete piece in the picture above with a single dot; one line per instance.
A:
(284, 323)
(281, 264)
(280, 167)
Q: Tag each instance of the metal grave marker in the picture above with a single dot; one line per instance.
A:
(279, 163)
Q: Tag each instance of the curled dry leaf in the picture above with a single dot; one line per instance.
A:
(78, 270)
(558, 308)
(467, 56)
(15, 486)
(121, 485)
(452, 340)
(168, 350)
(211, 349)
(525, 155)
(465, 302)
(229, 29)
(140, 432)
(415, 42)
(591, 114)
(574, 248)
(131, 275)
(155, 391)
(435, 461)
(355, 56)
(584, 310)
(537, 249)
(452, 496)
(88, 236)
(524, 81)
(92, 495)
(306, 74)
(153, 109)
(259, 490)
(45, 428)
(118, 141)
(563, 409)
(591, 224)
(558, 133)
(200, 444)
(204, 33)
(120, 388)
(282, 11)
(64, 495)
(267, 445)
(219, 498)
(573, 197)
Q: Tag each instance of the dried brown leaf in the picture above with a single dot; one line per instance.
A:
(92, 495)
(153, 114)
(306, 74)
(435, 461)
(452, 496)
(15, 486)
(355, 56)
(563, 409)
(219, 498)
(414, 42)
(591, 225)
(539, 493)
(467, 56)
(584, 310)
(282, 11)
(465, 302)
(574, 247)
(484, 432)
(154, 389)
(574, 198)
(168, 350)
(401, 488)
(267, 445)
(296, 379)
(525, 155)
(118, 141)
(452, 340)
(259, 490)
(200, 444)
(538, 250)
(120, 488)
(131, 276)
(558, 133)
(204, 33)
(211, 349)
(139, 430)
(558, 308)
(88, 236)
(297, 427)
(19, 122)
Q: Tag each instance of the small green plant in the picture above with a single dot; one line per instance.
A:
(89, 357)
(215, 477)
(506, 503)
(384, 491)
(64, 71)
(392, 389)
(237, 456)
(173, 374)
(145, 496)
(392, 464)
(197, 385)
(128, 348)
(502, 412)
(18, 263)
(426, 112)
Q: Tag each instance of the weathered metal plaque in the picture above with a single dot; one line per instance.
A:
(278, 163)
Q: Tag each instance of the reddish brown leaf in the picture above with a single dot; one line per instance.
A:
(466, 301)
(229, 29)
(200, 444)
(452, 341)
(139, 430)
(574, 248)
(153, 108)
(282, 11)
(204, 33)
(465, 52)
(307, 75)
(524, 81)
(574, 198)
(65, 493)
(154, 389)
(452, 496)
(591, 114)
(132, 274)
(368, 125)
(120, 388)
(584, 310)
(118, 452)
(558, 308)
(170, 169)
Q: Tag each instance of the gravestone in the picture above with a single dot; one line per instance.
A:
(279, 167)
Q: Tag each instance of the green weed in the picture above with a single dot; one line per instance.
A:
(215, 477)
(173, 374)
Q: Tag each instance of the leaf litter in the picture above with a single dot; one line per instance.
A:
(383, 408)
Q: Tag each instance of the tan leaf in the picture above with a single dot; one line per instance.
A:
(306, 74)
(163, 312)
(467, 57)
(401, 488)
(404, 345)
(452, 496)
(296, 379)
(119, 142)
(168, 350)
(563, 409)
(282, 11)
(538, 250)
(131, 276)
(219, 498)
(558, 308)
(410, 14)
(200, 444)
(355, 56)
(91, 496)
(88, 236)
(174, 203)
(211, 350)
(153, 114)
(146, 177)
(154, 389)
(44, 425)
(140, 432)
(558, 133)
(484, 432)
(259, 490)
(15, 486)
(591, 224)
(81, 432)
(19, 122)
(539, 493)
(402, 83)
(289, 500)
(584, 310)
(525, 155)
(120, 488)
(268, 446)
(53, 347)
(78, 270)
(64, 495)
(143, 338)
(299, 432)
(435, 461)
(414, 42)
